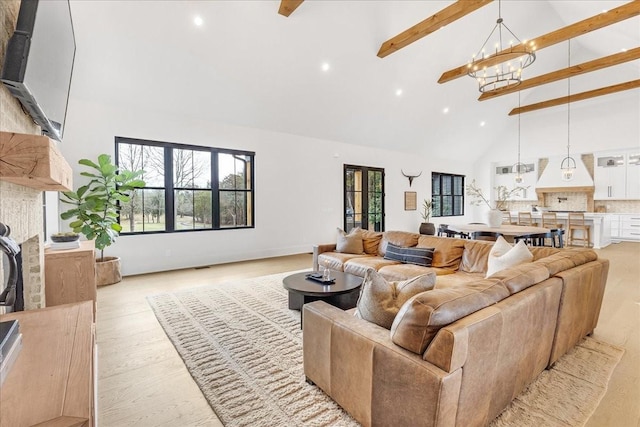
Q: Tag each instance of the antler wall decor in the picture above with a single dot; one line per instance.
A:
(410, 176)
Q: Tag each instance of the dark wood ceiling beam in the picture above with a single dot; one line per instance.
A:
(288, 6)
(585, 67)
(446, 16)
(626, 11)
(633, 84)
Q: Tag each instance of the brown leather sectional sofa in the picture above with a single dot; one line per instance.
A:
(458, 354)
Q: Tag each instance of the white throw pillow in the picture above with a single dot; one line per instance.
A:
(503, 255)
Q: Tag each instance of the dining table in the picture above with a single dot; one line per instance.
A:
(504, 229)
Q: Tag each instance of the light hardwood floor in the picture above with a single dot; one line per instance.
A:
(143, 382)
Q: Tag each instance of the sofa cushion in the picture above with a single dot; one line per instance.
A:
(360, 265)
(475, 256)
(448, 252)
(422, 316)
(407, 271)
(417, 256)
(349, 243)
(380, 299)
(522, 276)
(398, 238)
(566, 259)
(540, 252)
(460, 278)
(371, 241)
(503, 255)
(336, 260)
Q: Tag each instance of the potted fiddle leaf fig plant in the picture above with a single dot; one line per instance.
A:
(427, 227)
(95, 210)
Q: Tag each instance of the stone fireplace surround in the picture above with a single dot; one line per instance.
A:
(21, 209)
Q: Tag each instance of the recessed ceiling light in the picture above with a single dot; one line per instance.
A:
(482, 124)
(325, 66)
(398, 92)
(198, 21)
(445, 110)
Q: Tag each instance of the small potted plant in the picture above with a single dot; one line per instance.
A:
(426, 227)
(96, 207)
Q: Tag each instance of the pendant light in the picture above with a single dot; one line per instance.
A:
(568, 165)
(519, 168)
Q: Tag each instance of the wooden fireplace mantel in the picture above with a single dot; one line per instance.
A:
(33, 161)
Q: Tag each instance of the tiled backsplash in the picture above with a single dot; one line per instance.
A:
(618, 206)
(578, 202)
(566, 201)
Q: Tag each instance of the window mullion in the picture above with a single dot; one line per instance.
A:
(215, 189)
(169, 196)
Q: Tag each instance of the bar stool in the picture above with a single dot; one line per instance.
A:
(576, 223)
(550, 221)
(524, 218)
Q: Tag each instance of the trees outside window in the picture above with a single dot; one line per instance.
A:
(188, 187)
(447, 194)
(363, 198)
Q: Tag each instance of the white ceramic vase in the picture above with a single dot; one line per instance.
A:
(494, 218)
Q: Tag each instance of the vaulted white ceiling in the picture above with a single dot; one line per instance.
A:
(250, 66)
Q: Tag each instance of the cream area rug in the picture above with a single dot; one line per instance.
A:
(243, 347)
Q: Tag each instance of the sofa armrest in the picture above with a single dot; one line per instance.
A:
(356, 363)
(318, 249)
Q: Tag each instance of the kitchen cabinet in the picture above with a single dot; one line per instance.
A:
(633, 175)
(617, 175)
(630, 227)
(610, 177)
(615, 226)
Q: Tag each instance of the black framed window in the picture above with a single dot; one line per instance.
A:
(363, 198)
(447, 194)
(187, 187)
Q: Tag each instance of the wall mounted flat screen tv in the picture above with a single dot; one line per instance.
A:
(38, 63)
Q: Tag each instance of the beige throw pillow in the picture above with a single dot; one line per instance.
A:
(349, 243)
(503, 256)
(380, 300)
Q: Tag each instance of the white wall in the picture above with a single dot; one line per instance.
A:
(298, 186)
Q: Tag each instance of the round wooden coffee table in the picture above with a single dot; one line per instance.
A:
(343, 293)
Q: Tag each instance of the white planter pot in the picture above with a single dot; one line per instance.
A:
(494, 218)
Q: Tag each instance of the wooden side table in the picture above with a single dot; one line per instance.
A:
(70, 275)
(53, 378)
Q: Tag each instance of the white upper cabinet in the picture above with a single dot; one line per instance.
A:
(617, 175)
(633, 175)
(503, 175)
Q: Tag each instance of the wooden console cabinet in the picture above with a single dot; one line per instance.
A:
(70, 275)
(52, 382)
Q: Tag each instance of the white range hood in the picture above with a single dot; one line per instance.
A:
(552, 176)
